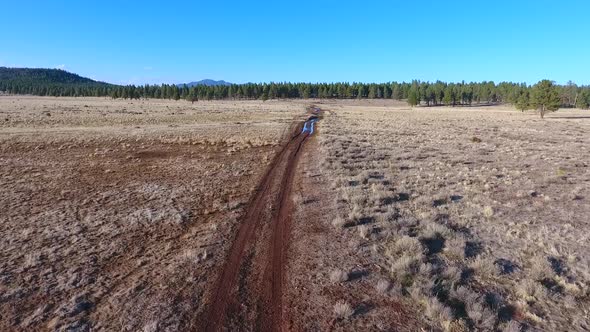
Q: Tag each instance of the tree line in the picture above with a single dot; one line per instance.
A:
(416, 92)
(521, 95)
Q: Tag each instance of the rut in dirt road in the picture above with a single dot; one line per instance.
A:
(248, 293)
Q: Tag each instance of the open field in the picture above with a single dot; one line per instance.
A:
(116, 215)
(444, 218)
(161, 215)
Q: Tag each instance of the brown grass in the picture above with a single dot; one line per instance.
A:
(481, 213)
(115, 215)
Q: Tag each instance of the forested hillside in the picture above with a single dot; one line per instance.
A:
(50, 82)
(54, 82)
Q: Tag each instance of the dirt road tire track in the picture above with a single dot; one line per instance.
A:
(274, 276)
(274, 189)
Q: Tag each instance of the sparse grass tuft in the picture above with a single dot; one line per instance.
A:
(512, 326)
(382, 286)
(458, 325)
(405, 245)
(364, 231)
(433, 230)
(338, 222)
(438, 312)
(483, 317)
(455, 249)
(338, 276)
(488, 212)
(483, 267)
(405, 267)
(530, 290)
(540, 268)
(355, 215)
(342, 310)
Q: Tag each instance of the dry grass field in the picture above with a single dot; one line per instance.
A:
(115, 215)
(449, 219)
(118, 215)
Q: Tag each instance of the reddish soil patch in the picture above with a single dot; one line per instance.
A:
(250, 288)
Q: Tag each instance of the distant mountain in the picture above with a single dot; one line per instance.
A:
(206, 82)
(43, 76)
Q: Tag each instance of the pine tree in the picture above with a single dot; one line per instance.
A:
(192, 95)
(448, 95)
(360, 91)
(583, 100)
(306, 93)
(523, 102)
(372, 93)
(413, 98)
(545, 97)
(570, 94)
(272, 91)
(396, 92)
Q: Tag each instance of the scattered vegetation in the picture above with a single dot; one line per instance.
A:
(468, 234)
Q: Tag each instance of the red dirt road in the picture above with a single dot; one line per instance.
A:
(248, 294)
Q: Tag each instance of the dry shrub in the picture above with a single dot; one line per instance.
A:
(530, 290)
(458, 325)
(355, 215)
(453, 274)
(455, 249)
(482, 317)
(337, 276)
(433, 230)
(483, 267)
(342, 310)
(540, 268)
(438, 313)
(512, 326)
(405, 245)
(405, 266)
(382, 286)
(364, 231)
(488, 212)
(338, 222)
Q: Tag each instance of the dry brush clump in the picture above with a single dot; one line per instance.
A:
(338, 276)
(383, 286)
(343, 310)
(444, 224)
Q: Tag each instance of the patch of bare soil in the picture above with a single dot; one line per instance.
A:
(123, 226)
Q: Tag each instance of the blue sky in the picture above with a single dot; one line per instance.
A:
(147, 41)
